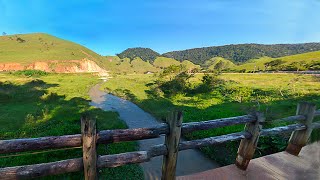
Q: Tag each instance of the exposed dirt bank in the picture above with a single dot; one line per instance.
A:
(70, 66)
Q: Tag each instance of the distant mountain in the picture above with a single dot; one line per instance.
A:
(143, 53)
(241, 52)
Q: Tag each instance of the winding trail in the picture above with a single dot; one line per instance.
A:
(189, 161)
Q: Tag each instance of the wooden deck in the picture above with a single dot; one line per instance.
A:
(276, 166)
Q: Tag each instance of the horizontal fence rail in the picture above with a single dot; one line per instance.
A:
(113, 136)
(253, 123)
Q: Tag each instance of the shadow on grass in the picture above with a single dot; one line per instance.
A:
(226, 153)
(31, 110)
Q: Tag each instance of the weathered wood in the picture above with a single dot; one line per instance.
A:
(75, 165)
(131, 157)
(172, 142)
(292, 118)
(247, 147)
(52, 142)
(315, 125)
(41, 170)
(184, 145)
(282, 129)
(104, 137)
(277, 166)
(89, 139)
(120, 135)
(299, 138)
(204, 125)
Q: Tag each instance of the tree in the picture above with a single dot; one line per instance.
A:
(20, 40)
(219, 66)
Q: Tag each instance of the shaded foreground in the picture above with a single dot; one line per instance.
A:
(276, 166)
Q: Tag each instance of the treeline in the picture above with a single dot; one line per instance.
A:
(143, 53)
(242, 52)
(238, 53)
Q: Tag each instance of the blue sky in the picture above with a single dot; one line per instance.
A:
(110, 26)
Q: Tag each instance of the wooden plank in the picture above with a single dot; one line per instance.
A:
(57, 142)
(74, 165)
(172, 142)
(247, 147)
(41, 170)
(299, 138)
(89, 139)
(52, 142)
(275, 166)
(213, 140)
(292, 118)
(204, 125)
(282, 129)
(121, 135)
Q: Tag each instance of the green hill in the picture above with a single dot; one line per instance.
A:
(305, 61)
(241, 52)
(163, 62)
(223, 64)
(28, 48)
(145, 54)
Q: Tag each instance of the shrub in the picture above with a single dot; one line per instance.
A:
(30, 73)
(209, 83)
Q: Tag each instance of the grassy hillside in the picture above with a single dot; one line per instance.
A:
(162, 62)
(305, 59)
(225, 63)
(28, 48)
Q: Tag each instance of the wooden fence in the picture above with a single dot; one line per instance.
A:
(173, 129)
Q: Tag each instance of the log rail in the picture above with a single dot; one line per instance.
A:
(122, 135)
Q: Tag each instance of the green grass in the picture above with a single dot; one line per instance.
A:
(227, 64)
(51, 105)
(163, 62)
(42, 47)
(274, 94)
(255, 64)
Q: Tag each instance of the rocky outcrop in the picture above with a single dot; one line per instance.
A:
(70, 66)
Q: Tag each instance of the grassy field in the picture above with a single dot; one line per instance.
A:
(274, 94)
(51, 105)
(258, 64)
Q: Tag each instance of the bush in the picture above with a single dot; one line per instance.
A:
(179, 84)
(209, 83)
(31, 73)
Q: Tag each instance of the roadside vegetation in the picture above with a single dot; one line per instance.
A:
(212, 96)
(37, 104)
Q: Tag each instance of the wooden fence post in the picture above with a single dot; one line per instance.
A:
(89, 138)
(247, 147)
(299, 138)
(172, 140)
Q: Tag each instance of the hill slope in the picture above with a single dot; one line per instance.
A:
(305, 61)
(26, 48)
(145, 54)
(241, 52)
(46, 52)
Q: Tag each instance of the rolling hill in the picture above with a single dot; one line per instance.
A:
(241, 53)
(45, 52)
(305, 61)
